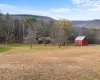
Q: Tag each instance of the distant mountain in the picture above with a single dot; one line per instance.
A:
(45, 18)
(89, 24)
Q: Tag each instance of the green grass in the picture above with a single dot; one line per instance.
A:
(35, 46)
(17, 45)
(4, 48)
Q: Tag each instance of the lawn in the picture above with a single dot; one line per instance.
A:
(4, 48)
(50, 63)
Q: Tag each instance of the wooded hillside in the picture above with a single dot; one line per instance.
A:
(41, 29)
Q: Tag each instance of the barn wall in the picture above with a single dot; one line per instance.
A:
(83, 42)
(78, 42)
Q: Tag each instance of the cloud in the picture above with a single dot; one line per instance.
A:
(17, 10)
(87, 3)
(90, 5)
(2, 6)
(61, 10)
(79, 1)
(67, 10)
(94, 9)
(5, 8)
(56, 13)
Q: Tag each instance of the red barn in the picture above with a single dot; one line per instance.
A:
(81, 41)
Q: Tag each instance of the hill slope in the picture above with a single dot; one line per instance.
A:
(89, 23)
(45, 18)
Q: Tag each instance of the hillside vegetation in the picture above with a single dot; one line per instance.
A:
(35, 29)
(88, 24)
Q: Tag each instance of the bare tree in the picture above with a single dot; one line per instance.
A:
(31, 32)
(6, 28)
(66, 26)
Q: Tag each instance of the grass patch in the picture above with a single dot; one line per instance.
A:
(4, 48)
(17, 45)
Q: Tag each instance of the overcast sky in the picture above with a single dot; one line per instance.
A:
(69, 9)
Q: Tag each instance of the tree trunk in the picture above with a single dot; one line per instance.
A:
(59, 46)
(6, 42)
(45, 44)
(23, 31)
(6, 39)
(44, 41)
(31, 46)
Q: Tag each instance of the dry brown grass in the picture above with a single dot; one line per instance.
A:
(51, 63)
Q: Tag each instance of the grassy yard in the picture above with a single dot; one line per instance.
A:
(4, 48)
(49, 62)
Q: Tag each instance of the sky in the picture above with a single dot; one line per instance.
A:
(57, 9)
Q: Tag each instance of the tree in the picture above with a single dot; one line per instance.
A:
(28, 30)
(6, 29)
(43, 31)
(66, 26)
(31, 32)
(1, 26)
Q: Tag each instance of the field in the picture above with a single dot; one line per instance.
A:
(19, 62)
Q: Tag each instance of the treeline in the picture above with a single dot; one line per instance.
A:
(31, 30)
(93, 34)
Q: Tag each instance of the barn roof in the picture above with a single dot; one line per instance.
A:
(80, 37)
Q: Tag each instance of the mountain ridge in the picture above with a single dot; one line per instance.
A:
(76, 23)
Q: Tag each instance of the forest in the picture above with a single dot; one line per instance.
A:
(37, 31)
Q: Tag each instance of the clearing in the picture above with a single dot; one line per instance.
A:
(51, 63)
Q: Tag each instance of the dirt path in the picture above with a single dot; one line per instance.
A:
(51, 64)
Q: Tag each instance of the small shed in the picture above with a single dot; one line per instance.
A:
(81, 41)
